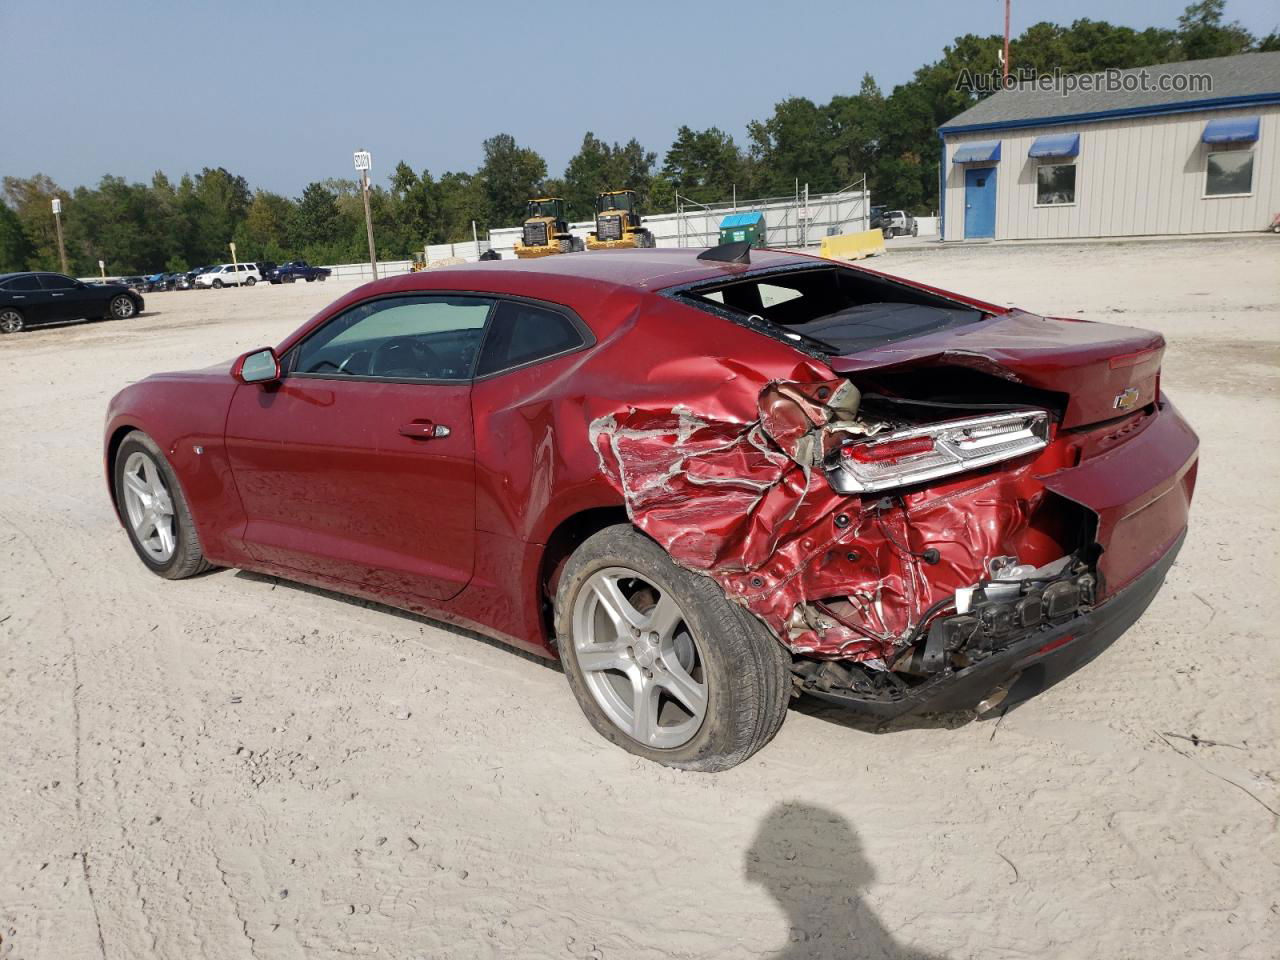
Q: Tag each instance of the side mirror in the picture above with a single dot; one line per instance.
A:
(257, 366)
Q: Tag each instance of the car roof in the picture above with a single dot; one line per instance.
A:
(599, 272)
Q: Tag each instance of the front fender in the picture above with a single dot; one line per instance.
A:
(186, 414)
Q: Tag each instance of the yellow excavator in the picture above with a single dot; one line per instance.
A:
(546, 231)
(618, 223)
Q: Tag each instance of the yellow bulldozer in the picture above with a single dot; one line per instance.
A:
(618, 223)
(546, 231)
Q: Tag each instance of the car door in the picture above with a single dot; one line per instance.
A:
(26, 293)
(359, 465)
(70, 299)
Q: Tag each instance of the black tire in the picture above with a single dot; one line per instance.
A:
(218, 284)
(745, 669)
(309, 279)
(188, 557)
(250, 281)
(291, 279)
(11, 320)
(121, 307)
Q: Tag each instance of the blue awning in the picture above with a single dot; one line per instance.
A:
(983, 151)
(1231, 130)
(1056, 145)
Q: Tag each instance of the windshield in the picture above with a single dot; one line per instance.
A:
(834, 310)
(615, 201)
(553, 208)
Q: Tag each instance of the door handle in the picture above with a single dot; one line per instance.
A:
(423, 429)
(58, 294)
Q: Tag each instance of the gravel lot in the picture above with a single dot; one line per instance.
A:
(238, 767)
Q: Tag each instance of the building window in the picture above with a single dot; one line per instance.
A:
(1229, 173)
(1055, 184)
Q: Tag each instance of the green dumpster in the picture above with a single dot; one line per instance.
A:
(738, 227)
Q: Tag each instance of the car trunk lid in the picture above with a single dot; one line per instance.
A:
(1104, 370)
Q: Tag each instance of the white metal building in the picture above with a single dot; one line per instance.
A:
(1155, 150)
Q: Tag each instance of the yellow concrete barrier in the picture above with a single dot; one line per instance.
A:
(852, 246)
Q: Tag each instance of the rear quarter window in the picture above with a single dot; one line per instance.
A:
(523, 333)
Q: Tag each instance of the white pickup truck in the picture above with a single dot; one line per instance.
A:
(896, 223)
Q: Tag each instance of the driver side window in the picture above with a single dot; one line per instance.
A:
(398, 338)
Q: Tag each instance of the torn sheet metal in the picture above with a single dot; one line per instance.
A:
(834, 576)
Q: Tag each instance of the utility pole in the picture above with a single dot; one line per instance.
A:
(57, 221)
(1007, 4)
(363, 162)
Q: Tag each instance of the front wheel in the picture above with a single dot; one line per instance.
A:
(154, 511)
(661, 662)
(11, 321)
(217, 284)
(122, 308)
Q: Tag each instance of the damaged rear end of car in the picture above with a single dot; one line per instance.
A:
(959, 506)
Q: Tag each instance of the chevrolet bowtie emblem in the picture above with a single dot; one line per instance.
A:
(1127, 399)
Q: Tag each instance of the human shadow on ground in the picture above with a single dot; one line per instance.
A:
(810, 861)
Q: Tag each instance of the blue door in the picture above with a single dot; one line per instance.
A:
(979, 202)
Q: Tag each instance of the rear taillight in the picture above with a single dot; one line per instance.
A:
(888, 451)
(919, 454)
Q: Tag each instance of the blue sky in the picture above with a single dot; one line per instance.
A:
(282, 92)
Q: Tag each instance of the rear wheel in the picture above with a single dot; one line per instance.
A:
(154, 511)
(250, 281)
(11, 321)
(662, 664)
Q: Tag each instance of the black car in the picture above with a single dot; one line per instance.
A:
(29, 299)
(188, 280)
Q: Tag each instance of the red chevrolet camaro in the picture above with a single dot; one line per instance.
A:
(704, 484)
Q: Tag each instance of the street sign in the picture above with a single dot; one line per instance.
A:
(57, 205)
(102, 264)
(364, 160)
(233, 249)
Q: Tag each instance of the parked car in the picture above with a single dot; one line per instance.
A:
(30, 299)
(133, 283)
(188, 280)
(702, 483)
(897, 223)
(229, 275)
(296, 270)
(160, 281)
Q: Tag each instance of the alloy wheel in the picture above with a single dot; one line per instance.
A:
(149, 506)
(639, 658)
(122, 308)
(10, 321)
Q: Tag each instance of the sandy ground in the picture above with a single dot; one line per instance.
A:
(235, 767)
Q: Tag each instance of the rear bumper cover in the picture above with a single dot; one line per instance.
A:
(1029, 665)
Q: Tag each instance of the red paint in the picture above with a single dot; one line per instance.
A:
(1053, 645)
(706, 426)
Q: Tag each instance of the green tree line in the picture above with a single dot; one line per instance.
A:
(891, 139)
